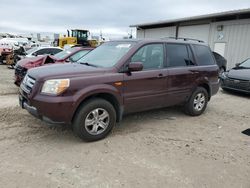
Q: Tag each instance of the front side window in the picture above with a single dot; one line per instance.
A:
(151, 56)
(108, 54)
(179, 55)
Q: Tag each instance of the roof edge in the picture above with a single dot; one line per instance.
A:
(192, 18)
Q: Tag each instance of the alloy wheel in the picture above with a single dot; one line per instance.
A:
(97, 121)
(199, 101)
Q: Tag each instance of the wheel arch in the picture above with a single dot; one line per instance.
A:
(207, 87)
(109, 96)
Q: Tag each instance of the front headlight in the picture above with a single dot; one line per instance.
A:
(224, 75)
(55, 86)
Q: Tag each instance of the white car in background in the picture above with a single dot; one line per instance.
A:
(33, 52)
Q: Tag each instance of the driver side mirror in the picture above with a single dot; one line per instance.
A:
(135, 66)
(34, 54)
(237, 64)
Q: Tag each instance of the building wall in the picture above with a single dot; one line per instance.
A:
(234, 38)
(156, 33)
(233, 41)
(200, 32)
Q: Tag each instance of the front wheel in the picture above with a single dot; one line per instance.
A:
(197, 103)
(94, 120)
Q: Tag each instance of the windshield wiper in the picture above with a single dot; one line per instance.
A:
(88, 64)
(241, 67)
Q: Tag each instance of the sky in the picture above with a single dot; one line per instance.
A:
(112, 17)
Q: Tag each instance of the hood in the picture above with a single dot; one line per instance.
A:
(242, 74)
(68, 70)
(32, 62)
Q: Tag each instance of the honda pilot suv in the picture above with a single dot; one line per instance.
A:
(121, 77)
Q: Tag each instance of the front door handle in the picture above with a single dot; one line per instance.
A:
(160, 76)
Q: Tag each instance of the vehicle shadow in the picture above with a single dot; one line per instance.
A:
(246, 132)
(132, 123)
(236, 93)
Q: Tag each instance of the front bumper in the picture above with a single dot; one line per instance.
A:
(56, 110)
(236, 85)
(33, 111)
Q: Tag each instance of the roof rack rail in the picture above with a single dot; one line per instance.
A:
(185, 39)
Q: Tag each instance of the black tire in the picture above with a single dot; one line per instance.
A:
(190, 108)
(85, 111)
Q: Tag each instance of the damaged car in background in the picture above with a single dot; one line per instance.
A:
(221, 62)
(69, 55)
(238, 78)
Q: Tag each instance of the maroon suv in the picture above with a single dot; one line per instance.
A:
(118, 78)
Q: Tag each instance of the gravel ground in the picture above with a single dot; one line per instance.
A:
(160, 148)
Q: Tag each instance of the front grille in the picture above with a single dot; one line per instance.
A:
(27, 84)
(238, 84)
(21, 71)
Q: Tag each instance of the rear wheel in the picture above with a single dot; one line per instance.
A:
(197, 103)
(94, 120)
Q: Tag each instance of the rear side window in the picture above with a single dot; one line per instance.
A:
(54, 51)
(203, 55)
(41, 52)
(179, 55)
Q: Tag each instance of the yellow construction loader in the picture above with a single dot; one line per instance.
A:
(77, 37)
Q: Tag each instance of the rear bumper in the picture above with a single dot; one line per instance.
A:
(214, 87)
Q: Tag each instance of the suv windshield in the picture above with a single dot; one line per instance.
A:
(64, 53)
(245, 64)
(108, 54)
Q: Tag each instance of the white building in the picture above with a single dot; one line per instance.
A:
(227, 33)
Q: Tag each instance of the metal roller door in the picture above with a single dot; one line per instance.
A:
(200, 32)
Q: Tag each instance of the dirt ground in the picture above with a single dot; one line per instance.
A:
(160, 148)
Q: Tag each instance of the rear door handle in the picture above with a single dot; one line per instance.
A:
(160, 75)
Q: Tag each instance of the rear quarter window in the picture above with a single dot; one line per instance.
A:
(203, 55)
